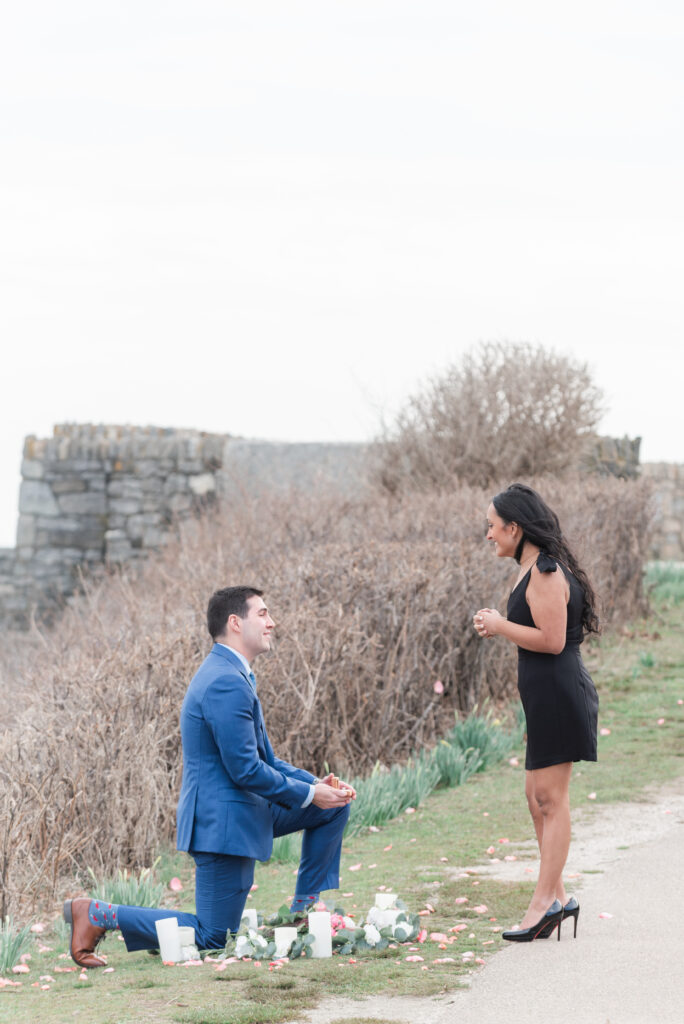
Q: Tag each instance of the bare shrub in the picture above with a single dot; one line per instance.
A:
(373, 601)
(507, 410)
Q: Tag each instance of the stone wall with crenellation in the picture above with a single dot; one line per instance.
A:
(97, 495)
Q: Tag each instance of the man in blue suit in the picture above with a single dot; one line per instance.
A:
(236, 795)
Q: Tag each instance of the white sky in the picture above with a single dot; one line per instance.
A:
(277, 219)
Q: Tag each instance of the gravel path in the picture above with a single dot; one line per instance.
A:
(627, 968)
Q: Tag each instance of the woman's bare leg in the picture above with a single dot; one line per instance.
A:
(538, 822)
(550, 793)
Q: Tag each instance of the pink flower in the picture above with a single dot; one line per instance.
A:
(438, 686)
(605, 732)
(175, 885)
(422, 935)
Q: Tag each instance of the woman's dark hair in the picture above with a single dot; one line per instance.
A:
(539, 524)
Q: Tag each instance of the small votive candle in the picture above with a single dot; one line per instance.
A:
(319, 927)
(284, 937)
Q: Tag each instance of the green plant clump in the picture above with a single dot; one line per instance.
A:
(13, 942)
(141, 890)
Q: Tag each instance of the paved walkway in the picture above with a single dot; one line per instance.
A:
(624, 969)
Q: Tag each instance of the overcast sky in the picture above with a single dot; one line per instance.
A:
(278, 219)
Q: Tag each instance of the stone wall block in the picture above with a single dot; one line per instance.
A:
(125, 506)
(175, 482)
(32, 469)
(69, 485)
(118, 547)
(86, 504)
(204, 483)
(180, 503)
(136, 525)
(26, 531)
(125, 487)
(35, 497)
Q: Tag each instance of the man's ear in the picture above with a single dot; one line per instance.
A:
(234, 622)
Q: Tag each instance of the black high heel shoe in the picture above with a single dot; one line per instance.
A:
(572, 909)
(551, 919)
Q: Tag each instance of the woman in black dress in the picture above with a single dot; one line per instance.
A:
(550, 609)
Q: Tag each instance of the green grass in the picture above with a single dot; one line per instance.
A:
(420, 855)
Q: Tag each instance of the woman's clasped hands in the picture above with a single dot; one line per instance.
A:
(487, 622)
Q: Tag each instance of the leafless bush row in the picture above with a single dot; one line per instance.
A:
(373, 600)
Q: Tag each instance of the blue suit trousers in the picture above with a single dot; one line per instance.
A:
(222, 882)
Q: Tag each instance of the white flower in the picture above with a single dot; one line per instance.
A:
(349, 922)
(243, 947)
(371, 934)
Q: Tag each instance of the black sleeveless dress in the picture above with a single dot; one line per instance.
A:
(557, 693)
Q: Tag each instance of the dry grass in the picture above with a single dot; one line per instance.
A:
(373, 600)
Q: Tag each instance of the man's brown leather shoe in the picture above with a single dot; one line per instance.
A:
(84, 935)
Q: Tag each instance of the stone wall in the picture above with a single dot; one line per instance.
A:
(93, 496)
(668, 491)
(98, 495)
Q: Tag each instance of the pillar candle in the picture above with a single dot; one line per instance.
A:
(319, 927)
(284, 937)
(169, 939)
(385, 900)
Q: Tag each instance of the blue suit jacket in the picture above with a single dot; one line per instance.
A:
(230, 773)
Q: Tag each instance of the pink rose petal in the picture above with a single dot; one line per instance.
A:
(605, 914)
(461, 899)
(591, 796)
(438, 686)
(444, 960)
(38, 927)
(175, 885)
(20, 969)
(430, 908)
(514, 762)
(373, 828)
(490, 849)
(386, 848)
(605, 732)
(355, 867)
(438, 937)
(108, 970)
(482, 909)
(414, 959)
(410, 810)
(510, 856)
(504, 840)
(661, 721)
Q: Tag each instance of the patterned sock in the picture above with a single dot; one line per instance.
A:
(103, 915)
(301, 903)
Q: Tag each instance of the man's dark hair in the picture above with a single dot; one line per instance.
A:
(226, 602)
